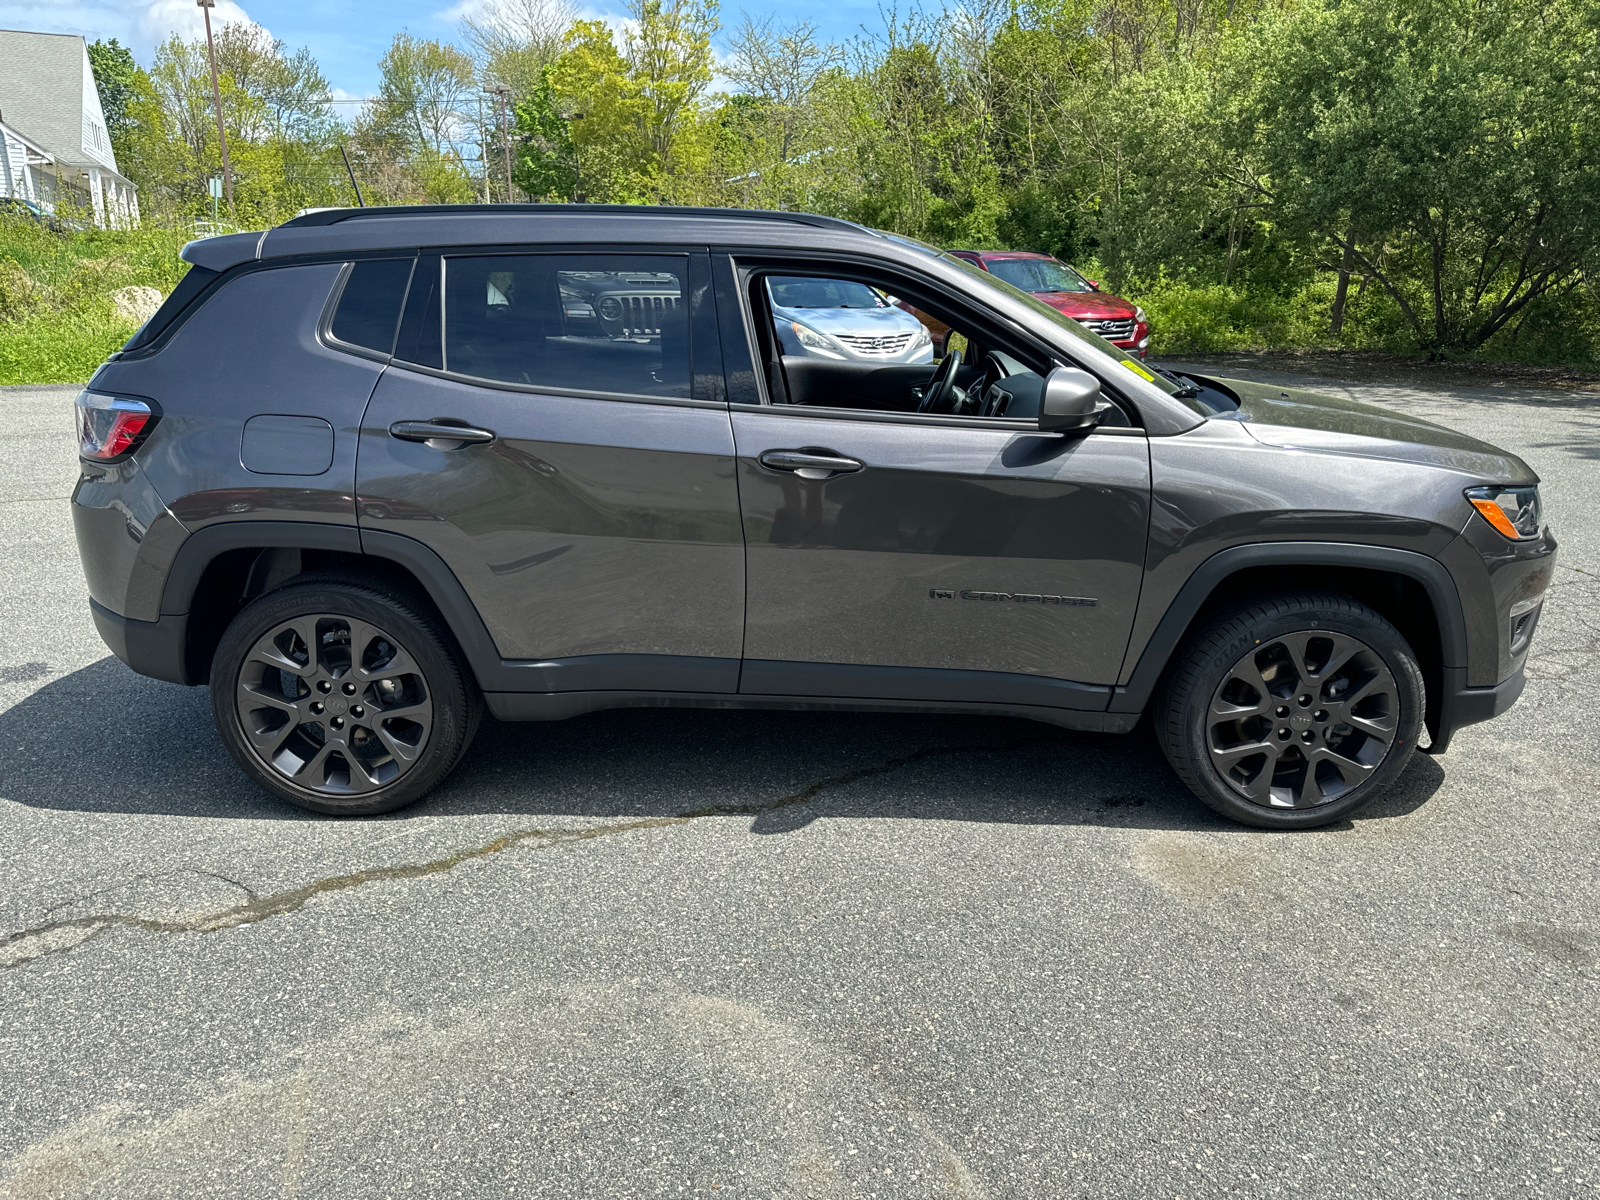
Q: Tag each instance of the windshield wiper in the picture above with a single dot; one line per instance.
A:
(1188, 389)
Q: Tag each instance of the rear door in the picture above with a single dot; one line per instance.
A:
(544, 432)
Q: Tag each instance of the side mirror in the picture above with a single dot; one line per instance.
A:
(1071, 402)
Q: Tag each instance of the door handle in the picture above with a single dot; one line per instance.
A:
(810, 464)
(441, 434)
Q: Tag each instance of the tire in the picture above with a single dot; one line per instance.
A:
(1276, 746)
(367, 730)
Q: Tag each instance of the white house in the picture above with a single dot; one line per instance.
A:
(53, 142)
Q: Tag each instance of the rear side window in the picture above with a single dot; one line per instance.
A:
(369, 307)
(189, 287)
(607, 324)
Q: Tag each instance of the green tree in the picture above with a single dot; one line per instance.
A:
(423, 93)
(668, 49)
(547, 158)
(1450, 148)
(116, 79)
(410, 145)
(283, 149)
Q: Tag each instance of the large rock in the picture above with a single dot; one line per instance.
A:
(136, 304)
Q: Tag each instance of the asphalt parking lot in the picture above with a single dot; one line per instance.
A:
(783, 956)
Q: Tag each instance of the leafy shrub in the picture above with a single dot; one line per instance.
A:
(1191, 318)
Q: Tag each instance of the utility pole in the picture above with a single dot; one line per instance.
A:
(502, 92)
(206, 6)
(483, 151)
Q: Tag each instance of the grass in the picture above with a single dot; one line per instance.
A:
(57, 319)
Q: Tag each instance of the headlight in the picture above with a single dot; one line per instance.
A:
(1138, 315)
(812, 340)
(1513, 511)
(923, 338)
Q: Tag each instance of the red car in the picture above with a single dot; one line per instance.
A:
(1120, 322)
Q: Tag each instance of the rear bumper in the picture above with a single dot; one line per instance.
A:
(154, 648)
(1461, 705)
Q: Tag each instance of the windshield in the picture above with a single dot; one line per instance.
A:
(1068, 325)
(1038, 275)
(796, 292)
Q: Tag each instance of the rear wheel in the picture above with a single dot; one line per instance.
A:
(342, 696)
(1292, 712)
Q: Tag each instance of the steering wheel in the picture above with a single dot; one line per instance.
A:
(939, 395)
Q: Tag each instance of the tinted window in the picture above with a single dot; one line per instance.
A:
(1067, 325)
(790, 291)
(190, 286)
(587, 323)
(1038, 275)
(369, 309)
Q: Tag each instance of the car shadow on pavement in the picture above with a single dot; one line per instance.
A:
(102, 739)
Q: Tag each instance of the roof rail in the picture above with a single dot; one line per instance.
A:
(333, 216)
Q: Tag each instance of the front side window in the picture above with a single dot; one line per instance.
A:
(1038, 275)
(606, 324)
(1066, 324)
(878, 353)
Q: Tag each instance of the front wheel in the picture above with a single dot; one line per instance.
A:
(342, 696)
(1292, 712)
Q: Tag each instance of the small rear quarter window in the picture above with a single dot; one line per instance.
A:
(369, 308)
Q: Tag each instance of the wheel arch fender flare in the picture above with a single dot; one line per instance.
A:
(436, 579)
(1428, 572)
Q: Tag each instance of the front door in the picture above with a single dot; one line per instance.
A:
(547, 443)
(939, 556)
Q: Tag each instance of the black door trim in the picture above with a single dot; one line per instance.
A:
(941, 685)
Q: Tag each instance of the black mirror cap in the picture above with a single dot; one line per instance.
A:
(1071, 402)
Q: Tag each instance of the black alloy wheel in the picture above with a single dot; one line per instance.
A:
(1303, 719)
(334, 704)
(1292, 712)
(341, 696)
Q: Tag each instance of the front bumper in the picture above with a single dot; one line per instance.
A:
(1461, 705)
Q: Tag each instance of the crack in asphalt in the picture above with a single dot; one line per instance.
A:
(57, 937)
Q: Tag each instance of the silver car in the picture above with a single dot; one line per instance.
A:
(844, 319)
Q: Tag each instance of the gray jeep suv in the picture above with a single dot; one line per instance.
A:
(374, 470)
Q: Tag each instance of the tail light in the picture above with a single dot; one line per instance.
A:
(111, 427)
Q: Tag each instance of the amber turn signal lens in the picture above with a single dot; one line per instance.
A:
(1514, 511)
(1496, 516)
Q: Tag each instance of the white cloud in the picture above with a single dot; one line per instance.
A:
(160, 19)
(348, 105)
(720, 82)
(141, 25)
(463, 9)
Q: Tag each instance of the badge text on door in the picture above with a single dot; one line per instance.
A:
(1014, 597)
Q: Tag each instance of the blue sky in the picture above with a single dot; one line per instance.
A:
(348, 36)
